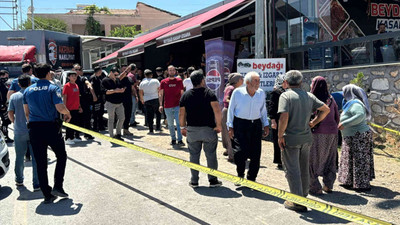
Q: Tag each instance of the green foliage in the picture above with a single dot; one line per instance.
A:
(92, 9)
(52, 24)
(125, 31)
(358, 80)
(93, 26)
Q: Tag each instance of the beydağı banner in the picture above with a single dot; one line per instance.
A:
(219, 62)
(268, 69)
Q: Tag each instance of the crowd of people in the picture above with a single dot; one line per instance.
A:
(305, 125)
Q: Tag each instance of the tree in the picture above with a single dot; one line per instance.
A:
(125, 31)
(53, 24)
(92, 25)
(358, 80)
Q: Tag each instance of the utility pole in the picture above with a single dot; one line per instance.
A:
(20, 12)
(32, 16)
(261, 8)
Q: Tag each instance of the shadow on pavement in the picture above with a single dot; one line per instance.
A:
(165, 204)
(80, 144)
(64, 207)
(381, 192)
(248, 192)
(343, 198)
(5, 191)
(132, 137)
(219, 192)
(312, 216)
(389, 204)
(26, 195)
(317, 217)
(139, 127)
(178, 148)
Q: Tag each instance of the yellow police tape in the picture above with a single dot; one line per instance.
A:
(319, 206)
(384, 128)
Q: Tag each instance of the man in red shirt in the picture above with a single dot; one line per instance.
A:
(71, 100)
(172, 89)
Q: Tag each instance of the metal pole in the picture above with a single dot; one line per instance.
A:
(260, 29)
(20, 13)
(32, 16)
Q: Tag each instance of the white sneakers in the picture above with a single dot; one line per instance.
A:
(69, 142)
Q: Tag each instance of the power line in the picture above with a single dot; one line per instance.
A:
(43, 25)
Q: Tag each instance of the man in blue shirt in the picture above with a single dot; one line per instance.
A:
(26, 69)
(21, 135)
(41, 103)
(247, 123)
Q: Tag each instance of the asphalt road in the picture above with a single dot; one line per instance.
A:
(109, 184)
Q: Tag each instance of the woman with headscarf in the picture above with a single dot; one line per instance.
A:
(323, 152)
(356, 167)
(273, 114)
(235, 80)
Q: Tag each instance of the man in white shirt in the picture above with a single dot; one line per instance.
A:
(148, 92)
(247, 124)
(187, 83)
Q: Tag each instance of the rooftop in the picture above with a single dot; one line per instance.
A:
(80, 10)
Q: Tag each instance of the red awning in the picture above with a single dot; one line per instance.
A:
(192, 28)
(108, 60)
(186, 29)
(17, 53)
(137, 46)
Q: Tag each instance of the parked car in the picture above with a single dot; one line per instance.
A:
(4, 156)
(86, 73)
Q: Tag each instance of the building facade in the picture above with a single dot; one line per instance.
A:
(145, 17)
(323, 34)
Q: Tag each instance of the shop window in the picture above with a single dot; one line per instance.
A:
(280, 27)
(296, 60)
(295, 32)
(355, 54)
(386, 50)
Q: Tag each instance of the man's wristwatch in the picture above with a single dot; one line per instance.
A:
(183, 128)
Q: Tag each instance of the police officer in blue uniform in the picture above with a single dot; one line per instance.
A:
(41, 103)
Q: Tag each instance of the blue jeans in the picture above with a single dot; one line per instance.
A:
(22, 143)
(173, 113)
(134, 107)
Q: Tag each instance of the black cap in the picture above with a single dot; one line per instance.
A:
(180, 69)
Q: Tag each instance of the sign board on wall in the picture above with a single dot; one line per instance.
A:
(268, 69)
(62, 51)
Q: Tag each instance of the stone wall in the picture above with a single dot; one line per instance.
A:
(382, 83)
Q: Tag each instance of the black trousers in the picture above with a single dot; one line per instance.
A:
(42, 135)
(277, 150)
(85, 117)
(246, 144)
(151, 107)
(98, 112)
(127, 111)
(5, 121)
(71, 133)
